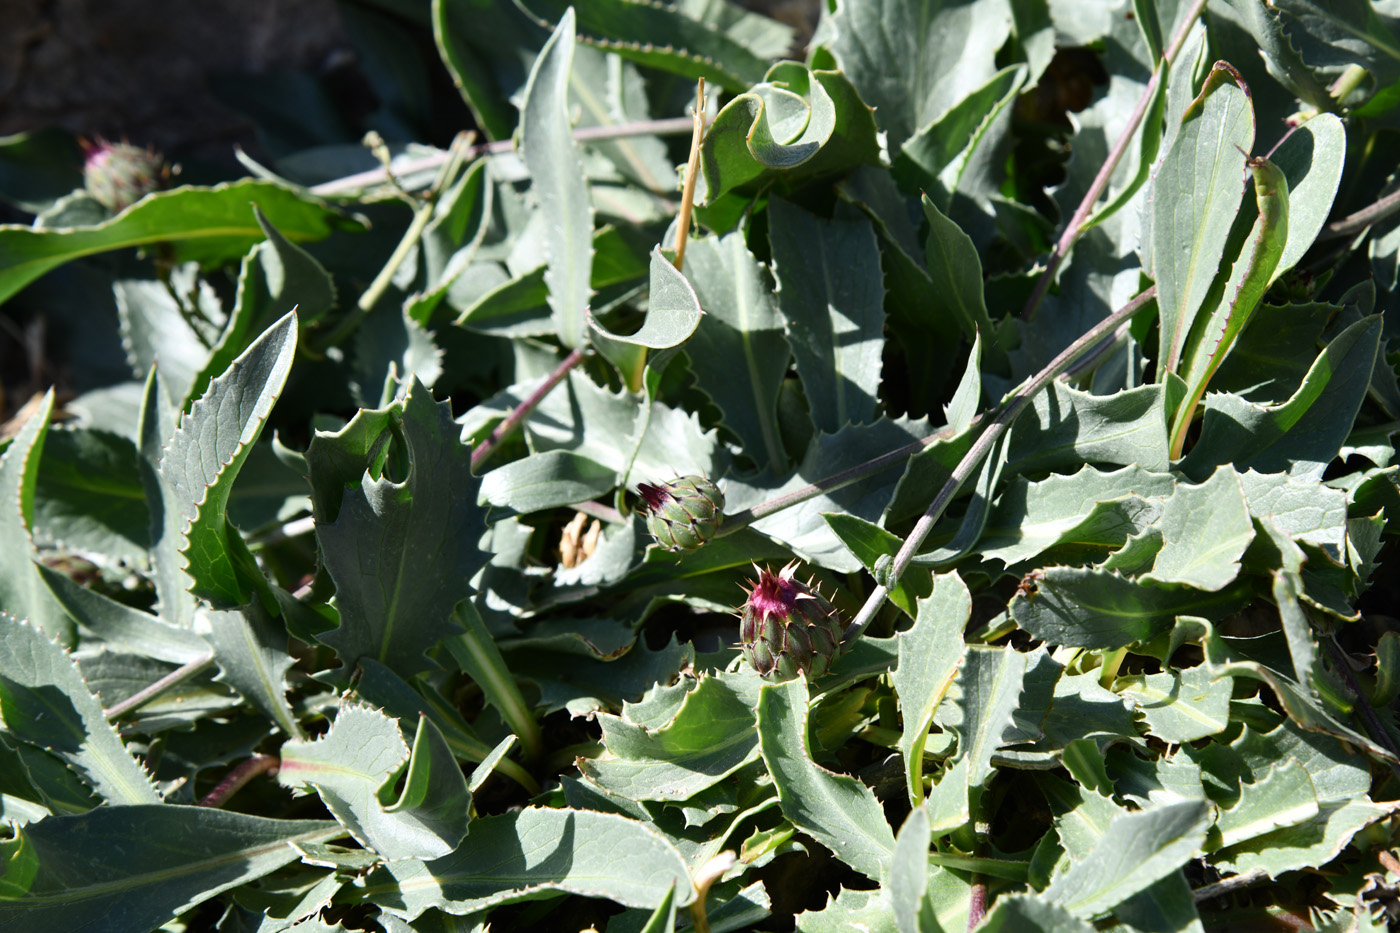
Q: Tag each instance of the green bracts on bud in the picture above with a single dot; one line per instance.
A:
(787, 628)
(684, 513)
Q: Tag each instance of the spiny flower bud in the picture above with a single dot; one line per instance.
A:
(787, 628)
(119, 174)
(684, 513)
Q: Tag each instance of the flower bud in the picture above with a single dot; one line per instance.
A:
(684, 513)
(788, 628)
(118, 175)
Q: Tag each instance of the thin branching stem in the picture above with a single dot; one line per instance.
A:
(1371, 214)
(147, 694)
(484, 450)
(972, 460)
(1075, 227)
(692, 170)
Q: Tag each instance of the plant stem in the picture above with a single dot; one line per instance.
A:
(972, 460)
(709, 873)
(692, 169)
(1373, 724)
(1091, 197)
(144, 696)
(670, 126)
(239, 776)
(1355, 223)
(488, 447)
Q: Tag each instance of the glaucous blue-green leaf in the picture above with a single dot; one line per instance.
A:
(202, 460)
(44, 703)
(1180, 706)
(1137, 850)
(836, 810)
(913, 61)
(116, 677)
(350, 766)
(1082, 816)
(89, 497)
(1093, 507)
(1333, 36)
(1195, 196)
(1284, 796)
(206, 225)
(710, 736)
(128, 869)
(22, 591)
(157, 425)
(1336, 775)
(1270, 359)
(1091, 608)
(584, 685)
(1064, 428)
(1031, 912)
(477, 653)
(1309, 844)
(535, 853)
(155, 320)
(668, 37)
(559, 185)
(1301, 435)
(1312, 158)
(382, 688)
(998, 704)
(486, 49)
(851, 909)
(1205, 530)
(795, 124)
(929, 654)
(1166, 906)
(250, 647)
(607, 92)
(401, 543)
(908, 882)
(802, 526)
(831, 294)
(119, 626)
(741, 322)
(956, 273)
(545, 481)
(673, 311)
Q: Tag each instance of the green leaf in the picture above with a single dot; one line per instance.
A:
(206, 225)
(1309, 844)
(476, 651)
(909, 872)
(531, 854)
(1303, 434)
(740, 322)
(1195, 196)
(401, 543)
(560, 187)
(1205, 531)
(956, 271)
(869, 543)
(609, 92)
(929, 655)
(1312, 158)
(353, 767)
(1091, 608)
(129, 869)
(709, 737)
(673, 311)
(838, 811)
(156, 427)
(480, 44)
(22, 591)
(831, 293)
(795, 124)
(913, 61)
(1336, 35)
(1167, 906)
(1284, 796)
(120, 627)
(1091, 507)
(250, 647)
(89, 497)
(1031, 912)
(1180, 706)
(202, 460)
(155, 320)
(1137, 850)
(1065, 428)
(44, 703)
(663, 37)
(545, 481)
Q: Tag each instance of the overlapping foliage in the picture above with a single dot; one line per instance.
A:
(349, 492)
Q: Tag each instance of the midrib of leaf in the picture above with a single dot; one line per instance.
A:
(836, 354)
(983, 734)
(1279, 819)
(1182, 705)
(185, 869)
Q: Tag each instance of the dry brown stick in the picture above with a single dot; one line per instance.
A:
(692, 169)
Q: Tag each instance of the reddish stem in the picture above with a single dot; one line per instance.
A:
(513, 420)
(241, 774)
(1091, 197)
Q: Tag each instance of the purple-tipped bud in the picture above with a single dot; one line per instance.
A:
(787, 628)
(118, 175)
(684, 513)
